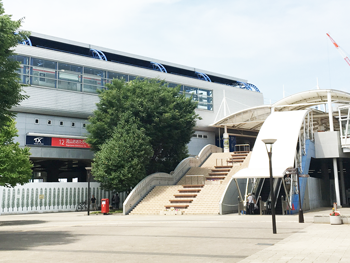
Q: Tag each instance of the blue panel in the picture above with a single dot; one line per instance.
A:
(158, 67)
(253, 87)
(305, 164)
(38, 141)
(248, 86)
(98, 54)
(26, 41)
(203, 76)
(306, 159)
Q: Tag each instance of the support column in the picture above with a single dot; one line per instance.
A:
(325, 186)
(336, 182)
(330, 111)
(226, 141)
(335, 166)
(342, 182)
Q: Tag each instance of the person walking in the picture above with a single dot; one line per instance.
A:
(117, 200)
(251, 203)
(93, 203)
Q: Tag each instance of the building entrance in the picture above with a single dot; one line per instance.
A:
(46, 170)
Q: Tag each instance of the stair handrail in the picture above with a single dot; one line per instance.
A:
(163, 179)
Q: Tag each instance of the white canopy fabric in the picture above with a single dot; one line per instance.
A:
(285, 127)
(251, 119)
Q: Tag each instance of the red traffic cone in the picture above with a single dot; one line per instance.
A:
(293, 208)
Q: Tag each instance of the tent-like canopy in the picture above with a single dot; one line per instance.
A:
(251, 119)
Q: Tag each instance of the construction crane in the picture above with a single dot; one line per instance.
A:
(342, 53)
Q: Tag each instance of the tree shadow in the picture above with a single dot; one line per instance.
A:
(22, 240)
(20, 222)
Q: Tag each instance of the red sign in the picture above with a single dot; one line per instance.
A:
(70, 143)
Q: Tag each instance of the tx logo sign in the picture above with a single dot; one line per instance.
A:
(38, 140)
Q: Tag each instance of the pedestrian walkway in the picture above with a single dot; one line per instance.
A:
(75, 237)
(315, 243)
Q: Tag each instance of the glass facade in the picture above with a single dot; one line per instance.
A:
(52, 74)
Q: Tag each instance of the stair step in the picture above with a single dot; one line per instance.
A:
(189, 190)
(181, 201)
(238, 152)
(235, 161)
(217, 173)
(177, 206)
(223, 166)
(237, 158)
(185, 195)
(239, 155)
(215, 178)
(221, 170)
(193, 186)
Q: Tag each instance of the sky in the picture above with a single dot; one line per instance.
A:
(272, 44)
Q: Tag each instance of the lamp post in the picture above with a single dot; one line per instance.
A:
(301, 213)
(88, 174)
(268, 144)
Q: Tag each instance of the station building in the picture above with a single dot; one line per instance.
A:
(62, 78)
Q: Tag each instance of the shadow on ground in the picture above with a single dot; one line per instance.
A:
(22, 240)
(21, 222)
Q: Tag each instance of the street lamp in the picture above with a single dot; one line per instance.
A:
(268, 145)
(301, 213)
(88, 174)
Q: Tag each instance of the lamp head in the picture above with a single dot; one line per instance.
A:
(269, 143)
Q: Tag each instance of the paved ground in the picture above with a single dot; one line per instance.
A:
(75, 237)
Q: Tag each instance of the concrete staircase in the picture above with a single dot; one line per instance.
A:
(154, 202)
(191, 199)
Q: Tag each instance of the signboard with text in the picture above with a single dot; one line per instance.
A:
(56, 142)
(70, 143)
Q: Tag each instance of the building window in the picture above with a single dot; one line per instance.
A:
(84, 125)
(194, 135)
(49, 122)
(36, 121)
(205, 136)
(61, 123)
(53, 74)
(73, 124)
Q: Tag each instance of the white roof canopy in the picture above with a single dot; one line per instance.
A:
(252, 119)
(285, 127)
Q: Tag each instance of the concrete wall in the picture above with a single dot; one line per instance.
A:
(197, 143)
(229, 202)
(26, 124)
(314, 197)
(327, 145)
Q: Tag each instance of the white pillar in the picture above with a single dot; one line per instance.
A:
(330, 111)
(342, 182)
(336, 182)
(226, 141)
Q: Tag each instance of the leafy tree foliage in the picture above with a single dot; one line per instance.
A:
(120, 163)
(15, 166)
(10, 88)
(166, 117)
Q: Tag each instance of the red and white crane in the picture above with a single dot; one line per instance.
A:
(342, 53)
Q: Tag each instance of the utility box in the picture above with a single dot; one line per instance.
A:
(105, 206)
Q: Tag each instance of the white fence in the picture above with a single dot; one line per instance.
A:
(162, 179)
(47, 197)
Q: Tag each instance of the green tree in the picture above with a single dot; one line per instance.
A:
(15, 166)
(120, 163)
(10, 88)
(167, 118)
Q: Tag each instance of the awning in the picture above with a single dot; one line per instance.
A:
(285, 127)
